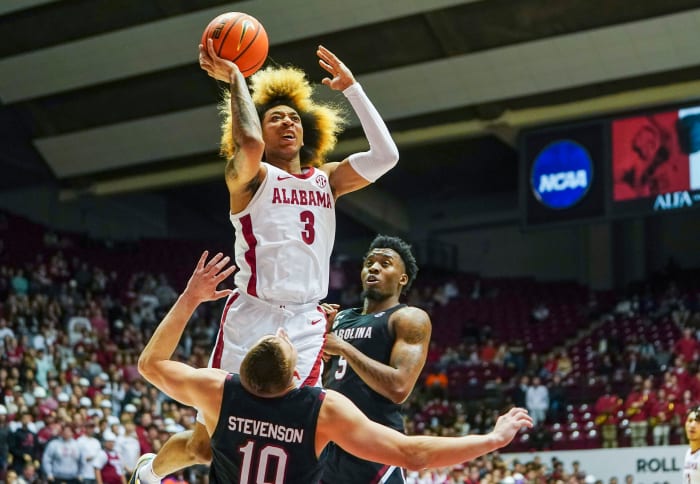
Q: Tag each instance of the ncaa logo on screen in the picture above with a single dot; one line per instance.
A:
(561, 174)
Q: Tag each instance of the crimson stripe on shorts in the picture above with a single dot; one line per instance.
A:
(380, 474)
(219, 347)
(249, 255)
(315, 372)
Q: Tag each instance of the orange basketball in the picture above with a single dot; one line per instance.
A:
(240, 38)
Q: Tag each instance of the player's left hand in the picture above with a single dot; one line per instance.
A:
(207, 276)
(342, 77)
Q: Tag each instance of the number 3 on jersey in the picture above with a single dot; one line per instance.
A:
(308, 235)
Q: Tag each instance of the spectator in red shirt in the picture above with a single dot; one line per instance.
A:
(680, 369)
(474, 476)
(637, 411)
(671, 385)
(606, 409)
(488, 351)
(687, 346)
(14, 352)
(661, 415)
(109, 468)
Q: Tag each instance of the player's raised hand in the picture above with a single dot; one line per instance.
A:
(207, 276)
(342, 77)
(217, 67)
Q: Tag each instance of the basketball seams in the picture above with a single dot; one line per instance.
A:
(255, 67)
(222, 41)
(252, 42)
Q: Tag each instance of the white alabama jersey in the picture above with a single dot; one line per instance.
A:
(285, 236)
(691, 467)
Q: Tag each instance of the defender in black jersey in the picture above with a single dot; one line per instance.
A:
(379, 351)
(266, 439)
(262, 428)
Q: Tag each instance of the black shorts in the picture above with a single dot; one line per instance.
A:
(339, 467)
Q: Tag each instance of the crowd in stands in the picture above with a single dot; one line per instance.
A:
(648, 355)
(626, 376)
(74, 316)
(594, 369)
(496, 468)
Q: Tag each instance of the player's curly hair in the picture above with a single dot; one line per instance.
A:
(275, 86)
(402, 248)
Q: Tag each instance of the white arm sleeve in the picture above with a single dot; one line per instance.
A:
(383, 153)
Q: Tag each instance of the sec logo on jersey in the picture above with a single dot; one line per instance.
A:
(321, 181)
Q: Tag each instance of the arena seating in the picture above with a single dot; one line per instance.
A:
(500, 311)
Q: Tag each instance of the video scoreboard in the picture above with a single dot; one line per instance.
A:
(627, 165)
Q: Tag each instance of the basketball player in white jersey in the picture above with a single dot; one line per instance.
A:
(691, 466)
(282, 206)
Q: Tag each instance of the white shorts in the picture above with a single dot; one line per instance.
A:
(247, 319)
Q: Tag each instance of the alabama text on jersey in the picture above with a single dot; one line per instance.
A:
(285, 236)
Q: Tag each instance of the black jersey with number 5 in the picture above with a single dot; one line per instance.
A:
(266, 439)
(370, 334)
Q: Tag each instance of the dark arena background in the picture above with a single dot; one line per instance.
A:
(549, 180)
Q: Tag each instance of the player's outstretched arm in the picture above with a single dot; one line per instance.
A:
(174, 378)
(340, 421)
(394, 381)
(359, 169)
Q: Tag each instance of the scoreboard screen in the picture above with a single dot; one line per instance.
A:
(620, 166)
(655, 162)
